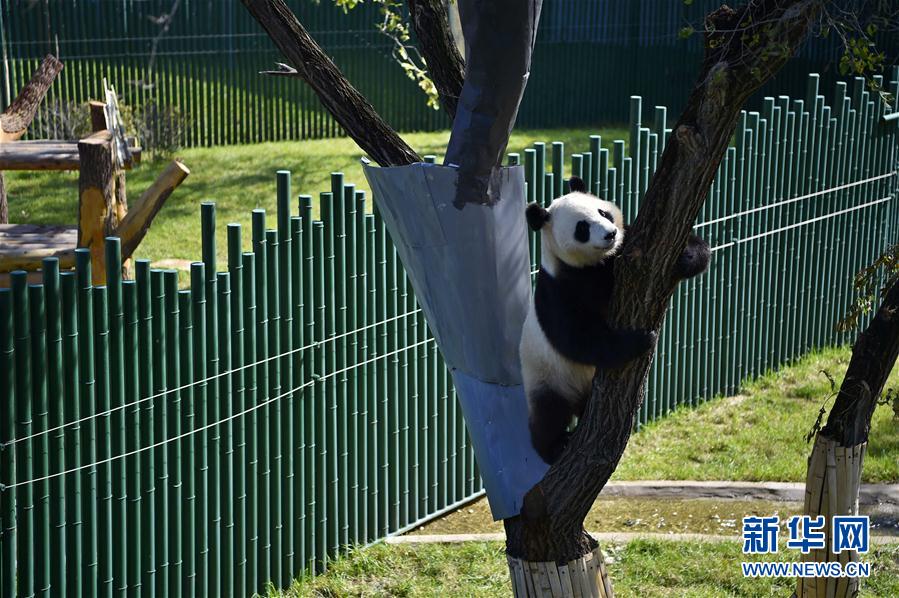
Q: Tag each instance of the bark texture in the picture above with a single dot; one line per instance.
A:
(835, 465)
(19, 114)
(873, 357)
(744, 48)
(348, 107)
(435, 42)
(97, 216)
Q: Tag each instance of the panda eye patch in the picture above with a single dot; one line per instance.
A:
(606, 215)
(582, 231)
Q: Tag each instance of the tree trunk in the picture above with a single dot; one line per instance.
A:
(435, 41)
(550, 527)
(348, 107)
(835, 464)
(744, 49)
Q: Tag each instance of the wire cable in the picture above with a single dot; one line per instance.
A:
(795, 199)
(163, 393)
(803, 223)
(233, 416)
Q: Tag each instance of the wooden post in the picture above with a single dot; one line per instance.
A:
(98, 124)
(97, 217)
(98, 115)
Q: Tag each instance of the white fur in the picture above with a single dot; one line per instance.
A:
(557, 235)
(541, 364)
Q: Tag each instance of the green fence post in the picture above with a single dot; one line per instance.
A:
(353, 375)
(55, 420)
(189, 532)
(285, 346)
(375, 514)
(173, 488)
(212, 435)
(274, 397)
(319, 423)
(260, 249)
(201, 418)
(147, 415)
(8, 561)
(298, 385)
(558, 155)
(328, 212)
(71, 399)
(131, 376)
(339, 346)
(113, 258)
(36, 312)
(308, 397)
(238, 405)
(89, 427)
(253, 546)
(104, 442)
(226, 482)
(25, 580)
(160, 421)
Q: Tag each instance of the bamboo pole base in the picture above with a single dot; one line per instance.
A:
(585, 577)
(831, 488)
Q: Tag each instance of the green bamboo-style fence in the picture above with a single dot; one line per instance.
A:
(204, 72)
(292, 402)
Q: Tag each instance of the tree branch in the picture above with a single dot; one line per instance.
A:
(435, 42)
(349, 107)
(19, 114)
(736, 64)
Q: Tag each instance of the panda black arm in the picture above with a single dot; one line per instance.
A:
(695, 258)
(570, 310)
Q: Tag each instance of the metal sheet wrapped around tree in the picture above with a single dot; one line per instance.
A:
(470, 271)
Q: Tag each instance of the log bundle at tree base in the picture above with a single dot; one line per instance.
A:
(831, 488)
(585, 577)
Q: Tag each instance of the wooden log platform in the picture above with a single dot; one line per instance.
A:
(23, 246)
(46, 155)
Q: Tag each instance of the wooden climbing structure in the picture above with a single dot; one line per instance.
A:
(101, 160)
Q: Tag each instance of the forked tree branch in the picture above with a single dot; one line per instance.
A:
(348, 107)
(435, 42)
(736, 64)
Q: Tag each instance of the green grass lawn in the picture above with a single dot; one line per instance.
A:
(758, 435)
(239, 179)
(644, 568)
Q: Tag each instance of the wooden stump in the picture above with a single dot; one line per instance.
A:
(585, 577)
(831, 488)
(97, 216)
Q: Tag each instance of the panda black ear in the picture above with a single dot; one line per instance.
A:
(576, 183)
(536, 216)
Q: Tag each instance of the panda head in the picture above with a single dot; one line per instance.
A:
(577, 229)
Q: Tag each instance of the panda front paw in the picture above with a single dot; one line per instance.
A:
(695, 258)
(626, 346)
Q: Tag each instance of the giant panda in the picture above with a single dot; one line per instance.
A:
(566, 334)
